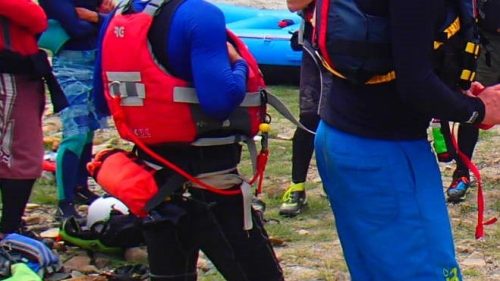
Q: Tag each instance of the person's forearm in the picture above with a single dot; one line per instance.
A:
(297, 5)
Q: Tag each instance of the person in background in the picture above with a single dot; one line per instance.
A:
(74, 67)
(188, 41)
(391, 76)
(22, 101)
(488, 73)
(313, 81)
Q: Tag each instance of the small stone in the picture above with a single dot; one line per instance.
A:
(136, 255)
(89, 269)
(77, 263)
(303, 232)
(203, 264)
(50, 233)
(276, 242)
(473, 262)
(32, 206)
(101, 261)
(88, 278)
(34, 219)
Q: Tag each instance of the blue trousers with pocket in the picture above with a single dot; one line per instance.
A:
(388, 202)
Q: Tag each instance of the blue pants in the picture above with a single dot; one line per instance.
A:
(74, 72)
(389, 207)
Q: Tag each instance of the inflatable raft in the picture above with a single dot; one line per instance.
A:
(267, 34)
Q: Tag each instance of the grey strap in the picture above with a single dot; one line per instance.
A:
(252, 150)
(127, 76)
(153, 6)
(188, 95)
(219, 141)
(122, 6)
(247, 194)
(285, 112)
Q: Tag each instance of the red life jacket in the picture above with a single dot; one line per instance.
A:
(157, 107)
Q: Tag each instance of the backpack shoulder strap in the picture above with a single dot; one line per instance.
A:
(161, 25)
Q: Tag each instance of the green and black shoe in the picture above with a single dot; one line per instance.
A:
(294, 200)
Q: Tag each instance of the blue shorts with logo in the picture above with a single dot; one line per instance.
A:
(74, 72)
(389, 207)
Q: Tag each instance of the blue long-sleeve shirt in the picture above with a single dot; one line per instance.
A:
(197, 52)
(83, 34)
(401, 109)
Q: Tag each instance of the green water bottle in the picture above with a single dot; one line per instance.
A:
(439, 142)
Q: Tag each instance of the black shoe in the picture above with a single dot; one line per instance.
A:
(66, 210)
(85, 197)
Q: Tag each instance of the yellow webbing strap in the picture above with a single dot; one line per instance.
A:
(451, 30)
(377, 79)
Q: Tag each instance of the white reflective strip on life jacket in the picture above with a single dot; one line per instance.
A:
(123, 76)
(153, 6)
(188, 95)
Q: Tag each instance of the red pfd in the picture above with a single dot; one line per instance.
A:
(145, 100)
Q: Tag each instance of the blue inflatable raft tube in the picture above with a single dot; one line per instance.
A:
(267, 34)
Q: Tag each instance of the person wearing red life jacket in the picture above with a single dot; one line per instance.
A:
(171, 80)
(396, 65)
(22, 102)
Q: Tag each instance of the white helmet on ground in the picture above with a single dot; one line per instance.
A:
(100, 209)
